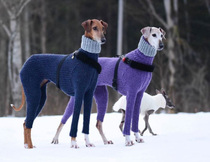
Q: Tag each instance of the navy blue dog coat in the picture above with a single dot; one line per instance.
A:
(76, 78)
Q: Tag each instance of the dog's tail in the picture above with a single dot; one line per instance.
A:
(22, 102)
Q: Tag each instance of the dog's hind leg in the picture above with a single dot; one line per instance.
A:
(146, 119)
(150, 129)
(101, 98)
(35, 101)
(42, 100)
(68, 112)
(123, 120)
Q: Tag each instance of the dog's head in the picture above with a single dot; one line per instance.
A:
(95, 29)
(154, 36)
(169, 103)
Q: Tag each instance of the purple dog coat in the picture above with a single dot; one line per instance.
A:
(131, 82)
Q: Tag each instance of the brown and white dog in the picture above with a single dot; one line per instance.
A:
(77, 76)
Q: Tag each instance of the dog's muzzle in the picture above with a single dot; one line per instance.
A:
(161, 46)
(103, 40)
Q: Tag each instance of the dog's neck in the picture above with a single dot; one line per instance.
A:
(160, 100)
(145, 48)
(90, 45)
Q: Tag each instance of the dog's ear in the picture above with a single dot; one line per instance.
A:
(105, 25)
(157, 91)
(87, 25)
(162, 31)
(163, 91)
(146, 31)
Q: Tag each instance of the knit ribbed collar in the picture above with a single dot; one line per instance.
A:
(145, 48)
(90, 45)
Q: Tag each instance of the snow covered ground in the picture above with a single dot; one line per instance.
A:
(181, 138)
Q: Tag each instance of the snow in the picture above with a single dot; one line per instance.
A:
(181, 137)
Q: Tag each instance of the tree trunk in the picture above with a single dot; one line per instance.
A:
(26, 33)
(43, 26)
(14, 52)
(3, 73)
(16, 59)
(172, 28)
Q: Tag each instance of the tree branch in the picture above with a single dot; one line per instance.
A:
(156, 15)
(7, 8)
(21, 7)
(8, 32)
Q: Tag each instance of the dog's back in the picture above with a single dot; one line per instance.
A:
(147, 103)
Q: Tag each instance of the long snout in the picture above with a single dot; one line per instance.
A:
(103, 40)
(161, 45)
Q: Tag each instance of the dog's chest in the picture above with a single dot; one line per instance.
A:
(132, 79)
(75, 74)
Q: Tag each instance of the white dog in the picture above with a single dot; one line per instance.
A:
(149, 105)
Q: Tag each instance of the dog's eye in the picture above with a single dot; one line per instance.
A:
(154, 35)
(94, 28)
(161, 36)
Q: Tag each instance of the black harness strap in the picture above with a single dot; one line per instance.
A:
(114, 81)
(88, 61)
(133, 64)
(81, 57)
(138, 65)
(58, 70)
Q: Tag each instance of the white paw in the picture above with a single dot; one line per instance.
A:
(74, 144)
(87, 141)
(137, 138)
(128, 141)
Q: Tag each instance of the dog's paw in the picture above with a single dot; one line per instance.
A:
(138, 139)
(128, 141)
(108, 142)
(27, 147)
(87, 141)
(90, 145)
(74, 144)
(55, 141)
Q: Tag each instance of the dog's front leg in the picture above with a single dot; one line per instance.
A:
(87, 141)
(135, 118)
(131, 97)
(74, 143)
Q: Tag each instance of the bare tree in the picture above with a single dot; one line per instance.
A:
(171, 26)
(14, 9)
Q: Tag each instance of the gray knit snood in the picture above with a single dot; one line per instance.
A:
(90, 45)
(145, 48)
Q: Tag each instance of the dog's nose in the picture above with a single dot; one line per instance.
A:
(161, 45)
(103, 40)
